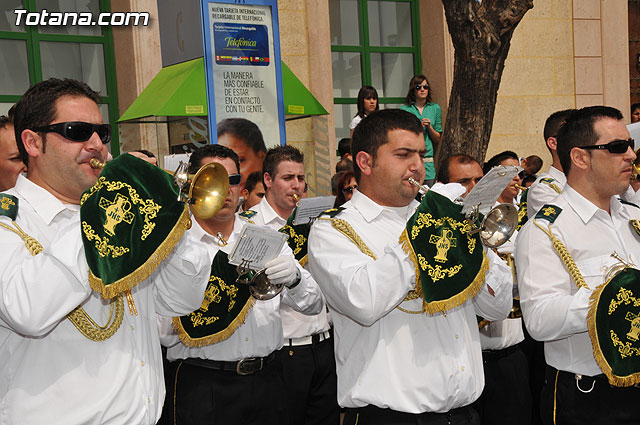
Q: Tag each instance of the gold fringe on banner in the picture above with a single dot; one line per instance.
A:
(144, 271)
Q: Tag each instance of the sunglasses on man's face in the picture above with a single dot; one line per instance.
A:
(423, 86)
(78, 131)
(234, 179)
(615, 146)
(348, 190)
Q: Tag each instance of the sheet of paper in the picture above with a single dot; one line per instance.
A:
(172, 161)
(257, 245)
(310, 208)
(486, 192)
(634, 130)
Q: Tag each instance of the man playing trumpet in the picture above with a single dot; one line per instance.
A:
(235, 363)
(395, 363)
(70, 357)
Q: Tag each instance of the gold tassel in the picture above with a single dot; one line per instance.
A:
(30, 242)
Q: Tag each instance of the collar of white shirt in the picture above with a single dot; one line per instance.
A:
(557, 175)
(268, 214)
(370, 210)
(587, 209)
(41, 201)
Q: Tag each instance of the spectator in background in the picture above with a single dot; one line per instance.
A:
(334, 182)
(253, 191)
(145, 155)
(344, 150)
(346, 184)
(245, 139)
(528, 180)
(11, 164)
(419, 103)
(635, 113)
(367, 103)
(531, 165)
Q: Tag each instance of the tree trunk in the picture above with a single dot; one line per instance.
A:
(481, 32)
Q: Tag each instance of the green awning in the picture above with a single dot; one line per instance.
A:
(179, 91)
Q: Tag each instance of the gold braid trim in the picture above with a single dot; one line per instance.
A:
(553, 186)
(90, 329)
(304, 260)
(416, 293)
(345, 228)
(30, 242)
(562, 251)
(144, 271)
(217, 337)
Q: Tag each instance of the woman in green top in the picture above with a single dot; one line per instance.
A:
(418, 102)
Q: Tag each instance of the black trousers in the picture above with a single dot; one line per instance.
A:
(310, 383)
(589, 401)
(220, 397)
(506, 398)
(372, 415)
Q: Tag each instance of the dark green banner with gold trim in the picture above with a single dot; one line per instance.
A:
(614, 327)
(131, 221)
(450, 262)
(224, 308)
(298, 238)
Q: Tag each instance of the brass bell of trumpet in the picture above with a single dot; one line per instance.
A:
(498, 225)
(205, 191)
(635, 172)
(260, 287)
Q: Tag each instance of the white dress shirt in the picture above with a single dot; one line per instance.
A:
(294, 324)
(554, 309)
(261, 332)
(541, 193)
(385, 357)
(50, 372)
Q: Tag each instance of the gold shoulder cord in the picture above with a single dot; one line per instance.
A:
(78, 317)
(345, 228)
(562, 251)
(554, 187)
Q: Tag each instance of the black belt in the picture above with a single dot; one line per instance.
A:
(241, 367)
(371, 411)
(490, 355)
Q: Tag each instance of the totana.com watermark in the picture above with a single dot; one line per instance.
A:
(56, 19)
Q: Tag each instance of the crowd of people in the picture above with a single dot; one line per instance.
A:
(348, 339)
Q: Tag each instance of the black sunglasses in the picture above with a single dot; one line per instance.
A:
(234, 179)
(349, 189)
(615, 146)
(78, 131)
(423, 86)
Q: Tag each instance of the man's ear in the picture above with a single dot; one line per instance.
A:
(268, 181)
(32, 142)
(552, 143)
(245, 193)
(580, 158)
(364, 160)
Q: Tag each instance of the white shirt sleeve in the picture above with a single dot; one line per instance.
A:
(365, 290)
(495, 306)
(538, 195)
(37, 292)
(550, 309)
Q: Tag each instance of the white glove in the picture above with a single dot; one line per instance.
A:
(283, 270)
(450, 190)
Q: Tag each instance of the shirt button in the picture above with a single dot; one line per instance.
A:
(457, 336)
(142, 363)
(246, 340)
(463, 368)
(149, 400)
(132, 328)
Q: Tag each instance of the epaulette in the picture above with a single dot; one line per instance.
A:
(551, 183)
(332, 212)
(549, 212)
(629, 203)
(8, 206)
(247, 214)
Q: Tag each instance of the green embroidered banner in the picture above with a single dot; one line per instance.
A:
(224, 308)
(450, 263)
(131, 221)
(522, 209)
(614, 327)
(298, 238)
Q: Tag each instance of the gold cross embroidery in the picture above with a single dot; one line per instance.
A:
(117, 212)
(634, 332)
(443, 243)
(5, 203)
(549, 211)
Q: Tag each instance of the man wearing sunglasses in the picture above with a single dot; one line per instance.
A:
(239, 373)
(307, 356)
(57, 371)
(596, 153)
(11, 164)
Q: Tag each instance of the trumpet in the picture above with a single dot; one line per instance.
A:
(635, 167)
(205, 191)
(520, 187)
(496, 227)
(260, 287)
